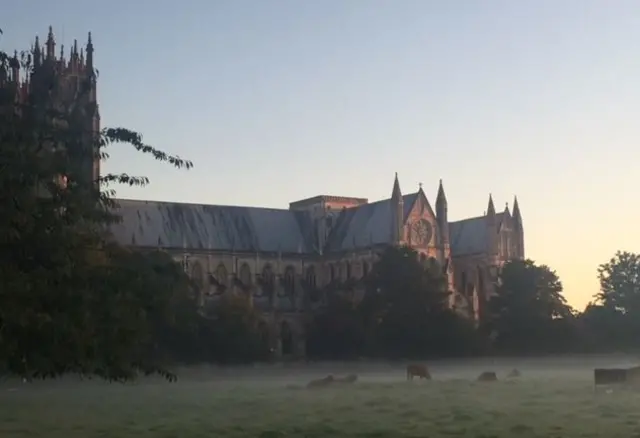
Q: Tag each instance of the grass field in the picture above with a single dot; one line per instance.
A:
(380, 405)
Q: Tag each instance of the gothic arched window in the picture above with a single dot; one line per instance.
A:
(481, 290)
(365, 269)
(310, 277)
(289, 280)
(222, 276)
(268, 279)
(245, 275)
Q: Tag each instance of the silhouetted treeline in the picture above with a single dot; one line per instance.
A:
(403, 312)
(527, 315)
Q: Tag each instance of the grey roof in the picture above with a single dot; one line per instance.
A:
(366, 225)
(227, 228)
(469, 236)
(252, 229)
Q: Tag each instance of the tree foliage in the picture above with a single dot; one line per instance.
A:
(611, 322)
(403, 300)
(404, 312)
(229, 332)
(620, 283)
(528, 308)
(336, 330)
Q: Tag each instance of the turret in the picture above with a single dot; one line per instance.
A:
(518, 230)
(492, 229)
(74, 60)
(37, 54)
(90, 55)
(51, 45)
(397, 213)
(442, 216)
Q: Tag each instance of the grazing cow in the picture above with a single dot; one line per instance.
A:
(622, 377)
(611, 376)
(418, 370)
(321, 383)
(514, 373)
(351, 378)
(487, 376)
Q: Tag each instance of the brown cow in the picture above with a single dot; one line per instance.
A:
(351, 378)
(321, 383)
(418, 370)
(487, 376)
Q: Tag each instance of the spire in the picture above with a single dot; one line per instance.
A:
(51, 44)
(61, 52)
(516, 210)
(491, 210)
(441, 198)
(73, 57)
(517, 219)
(507, 213)
(89, 53)
(492, 235)
(396, 193)
(397, 213)
(441, 215)
(36, 53)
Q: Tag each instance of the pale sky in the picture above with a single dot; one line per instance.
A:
(280, 100)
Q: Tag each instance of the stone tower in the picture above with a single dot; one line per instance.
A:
(64, 83)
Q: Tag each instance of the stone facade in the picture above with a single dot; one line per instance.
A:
(281, 258)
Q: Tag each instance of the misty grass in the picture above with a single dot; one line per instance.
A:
(454, 408)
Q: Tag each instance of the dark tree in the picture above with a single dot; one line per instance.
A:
(230, 331)
(336, 329)
(405, 309)
(612, 322)
(620, 283)
(606, 329)
(529, 311)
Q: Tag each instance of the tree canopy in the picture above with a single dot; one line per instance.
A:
(528, 305)
(620, 283)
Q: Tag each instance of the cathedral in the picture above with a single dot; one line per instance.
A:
(280, 257)
(283, 258)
